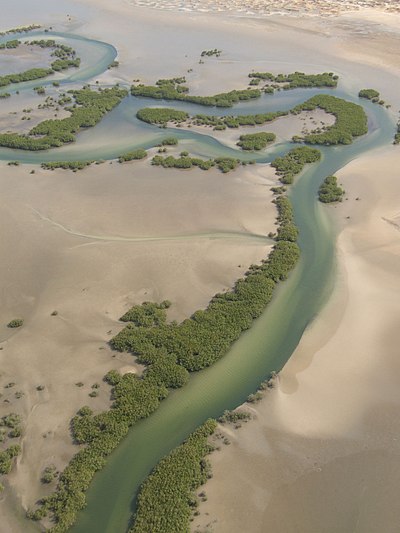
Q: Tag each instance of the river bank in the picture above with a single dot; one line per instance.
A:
(333, 462)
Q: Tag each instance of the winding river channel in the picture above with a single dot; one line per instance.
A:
(272, 338)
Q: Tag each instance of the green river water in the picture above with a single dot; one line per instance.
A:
(272, 338)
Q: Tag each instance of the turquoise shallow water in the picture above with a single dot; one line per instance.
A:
(273, 337)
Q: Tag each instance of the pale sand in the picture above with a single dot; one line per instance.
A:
(324, 453)
(91, 282)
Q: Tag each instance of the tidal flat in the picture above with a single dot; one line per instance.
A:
(91, 282)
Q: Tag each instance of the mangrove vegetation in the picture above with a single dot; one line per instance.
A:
(351, 120)
(256, 141)
(330, 191)
(167, 498)
(293, 162)
(172, 89)
(90, 107)
(297, 80)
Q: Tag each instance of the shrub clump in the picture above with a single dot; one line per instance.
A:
(167, 497)
(294, 161)
(132, 156)
(330, 191)
(256, 141)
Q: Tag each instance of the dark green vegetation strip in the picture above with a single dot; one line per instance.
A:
(161, 115)
(225, 164)
(256, 141)
(27, 75)
(369, 94)
(330, 191)
(298, 80)
(167, 497)
(90, 108)
(66, 165)
(173, 89)
(10, 44)
(169, 352)
(293, 162)
(133, 155)
(22, 29)
(351, 120)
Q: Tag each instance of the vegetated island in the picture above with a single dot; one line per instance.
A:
(256, 141)
(397, 135)
(21, 29)
(329, 191)
(174, 88)
(169, 351)
(371, 94)
(351, 120)
(295, 80)
(90, 107)
(65, 57)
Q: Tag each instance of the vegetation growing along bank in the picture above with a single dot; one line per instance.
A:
(66, 165)
(10, 44)
(167, 499)
(161, 115)
(294, 161)
(65, 57)
(296, 80)
(132, 156)
(27, 75)
(22, 29)
(224, 164)
(90, 107)
(351, 120)
(169, 351)
(369, 94)
(5, 95)
(330, 191)
(173, 89)
(256, 141)
(397, 135)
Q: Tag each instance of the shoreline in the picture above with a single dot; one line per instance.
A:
(296, 447)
